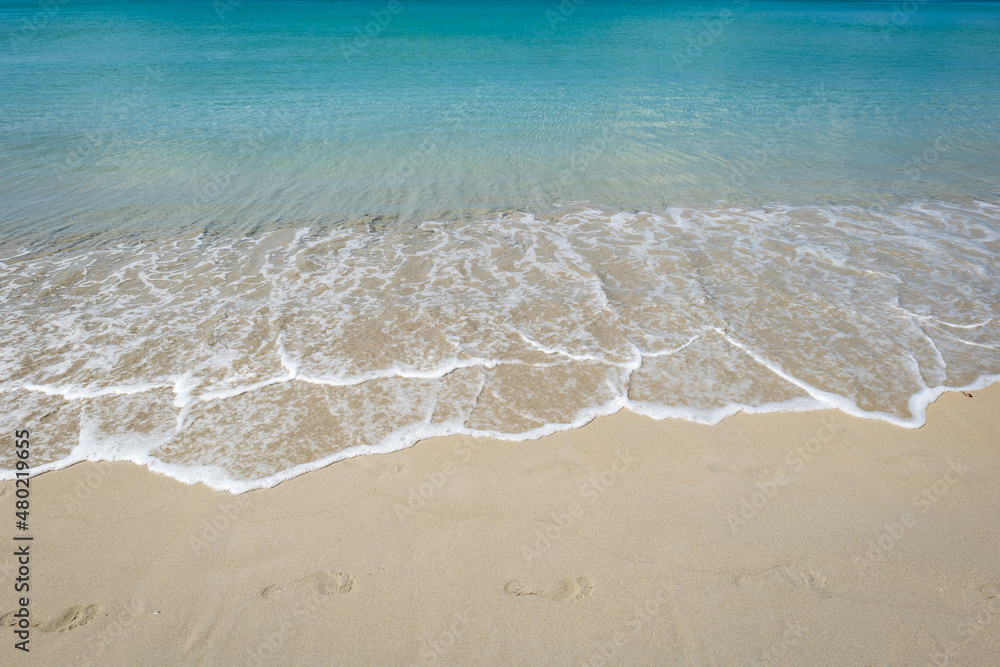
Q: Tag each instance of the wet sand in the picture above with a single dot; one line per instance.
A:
(796, 538)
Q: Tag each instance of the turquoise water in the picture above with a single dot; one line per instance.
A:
(227, 226)
(152, 115)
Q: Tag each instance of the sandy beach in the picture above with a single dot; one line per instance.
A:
(536, 332)
(809, 538)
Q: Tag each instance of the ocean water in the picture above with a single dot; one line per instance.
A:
(243, 239)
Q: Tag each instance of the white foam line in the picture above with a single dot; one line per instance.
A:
(215, 477)
(665, 353)
(558, 351)
(185, 397)
(930, 341)
(915, 369)
(712, 416)
(222, 394)
(830, 399)
(917, 402)
(397, 372)
(937, 353)
(969, 342)
(930, 318)
(349, 381)
(400, 439)
(960, 326)
(72, 393)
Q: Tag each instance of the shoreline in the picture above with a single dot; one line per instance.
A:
(783, 538)
(213, 357)
(919, 405)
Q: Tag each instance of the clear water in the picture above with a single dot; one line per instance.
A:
(369, 222)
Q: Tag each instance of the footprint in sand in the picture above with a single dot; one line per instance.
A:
(8, 620)
(381, 468)
(564, 590)
(784, 576)
(326, 582)
(72, 618)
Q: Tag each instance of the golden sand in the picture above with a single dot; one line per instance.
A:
(800, 539)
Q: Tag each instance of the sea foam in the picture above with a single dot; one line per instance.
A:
(242, 362)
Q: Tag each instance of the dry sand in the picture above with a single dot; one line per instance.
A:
(800, 539)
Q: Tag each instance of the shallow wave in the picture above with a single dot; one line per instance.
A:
(243, 362)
